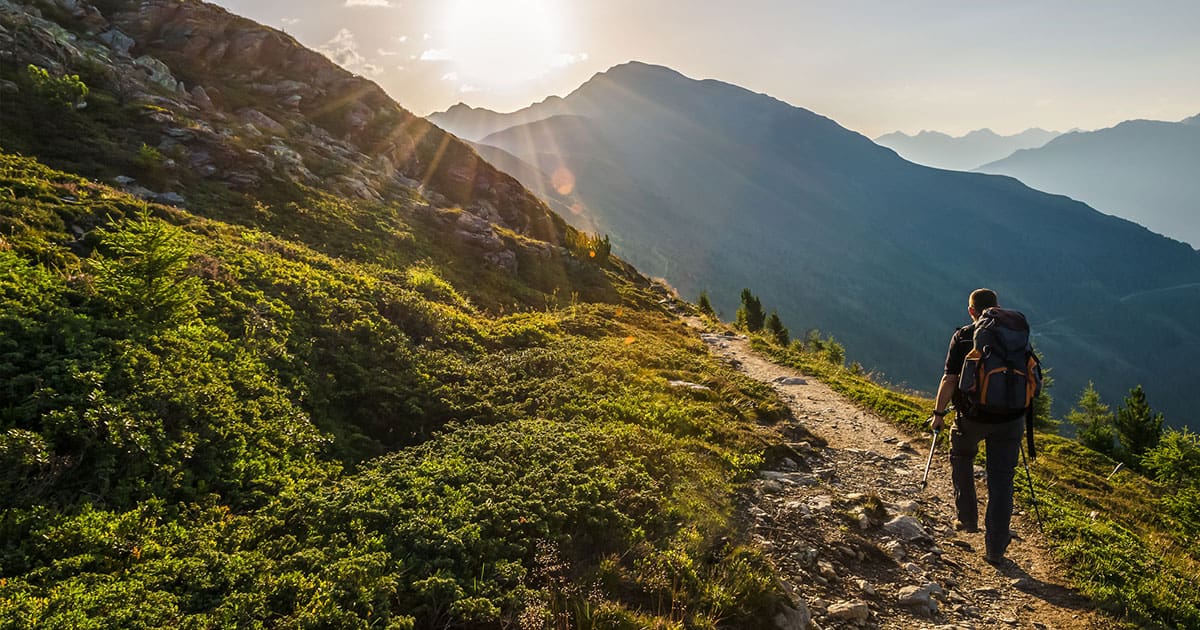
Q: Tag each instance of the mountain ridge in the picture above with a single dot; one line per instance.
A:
(1137, 169)
(965, 152)
(769, 182)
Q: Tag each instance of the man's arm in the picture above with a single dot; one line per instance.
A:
(945, 392)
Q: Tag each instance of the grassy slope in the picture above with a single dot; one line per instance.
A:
(260, 433)
(1121, 548)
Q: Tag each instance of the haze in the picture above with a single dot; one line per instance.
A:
(874, 66)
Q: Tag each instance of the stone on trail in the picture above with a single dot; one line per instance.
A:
(790, 380)
(907, 528)
(856, 610)
(922, 598)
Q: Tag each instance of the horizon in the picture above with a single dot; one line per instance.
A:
(871, 66)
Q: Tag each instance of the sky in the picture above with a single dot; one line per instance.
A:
(874, 66)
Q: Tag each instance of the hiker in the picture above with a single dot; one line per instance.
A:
(999, 421)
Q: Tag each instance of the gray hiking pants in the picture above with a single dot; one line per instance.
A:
(1003, 449)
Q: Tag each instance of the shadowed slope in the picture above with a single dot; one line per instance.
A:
(714, 187)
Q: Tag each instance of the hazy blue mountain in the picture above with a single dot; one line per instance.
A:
(1142, 170)
(473, 123)
(963, 153)
(714, 187)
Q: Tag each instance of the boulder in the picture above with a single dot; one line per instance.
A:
(201, 98)
(795, 617)
(907, 528)
(922, 598)
(157, 72)
(118, 41)
(854, 611)
(261, 121)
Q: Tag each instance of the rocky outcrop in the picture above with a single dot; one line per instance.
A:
(244, 105)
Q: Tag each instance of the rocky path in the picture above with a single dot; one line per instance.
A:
(841, 511)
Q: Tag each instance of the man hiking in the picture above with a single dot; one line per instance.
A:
(991, 397)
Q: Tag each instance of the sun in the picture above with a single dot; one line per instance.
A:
(500, 43)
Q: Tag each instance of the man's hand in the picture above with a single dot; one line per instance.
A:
(936, 423)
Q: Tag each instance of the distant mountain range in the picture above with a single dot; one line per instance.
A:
(963, 153)
(717, 188)
(1142, 170)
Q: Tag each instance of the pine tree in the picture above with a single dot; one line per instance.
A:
(1094, 422)
(750, 315)
(1138, 427)
(705, 305)
(1042, 404)
(775, 326)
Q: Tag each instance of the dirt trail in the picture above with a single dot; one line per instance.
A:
(817, 511)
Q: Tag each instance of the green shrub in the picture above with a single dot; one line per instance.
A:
(66, 92)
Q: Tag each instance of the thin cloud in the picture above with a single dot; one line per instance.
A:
(450, 76)
(563, 60)
(343, 50)
(436, 54)
(369, 3)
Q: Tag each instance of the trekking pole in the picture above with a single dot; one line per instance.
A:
(1029, 476)
(929, 460)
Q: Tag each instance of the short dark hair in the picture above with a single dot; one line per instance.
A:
(983, 299)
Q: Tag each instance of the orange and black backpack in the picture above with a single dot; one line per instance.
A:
(1001, 375)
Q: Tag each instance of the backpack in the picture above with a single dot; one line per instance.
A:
(1001, 375)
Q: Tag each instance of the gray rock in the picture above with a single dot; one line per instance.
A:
(118, 41)
(201, 99)
(170, 198)
(771, 486)
(907, 528)
(157, 72)
(806, 558)
(827, 570)
(793, 618)
(856, 610)
(922, 598)
(123, 180)
(820, 504)
(790, 380)
(895, 549)
(261, 121)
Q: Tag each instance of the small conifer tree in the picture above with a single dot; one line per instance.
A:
(750, 315)
(775, 326)
(1176, 459)
(1138, 427)
(1093, 421)
(705, 305)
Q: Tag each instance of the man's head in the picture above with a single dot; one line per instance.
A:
(981, 300)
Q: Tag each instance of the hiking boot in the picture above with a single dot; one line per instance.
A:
(995, 559)
(965, 527)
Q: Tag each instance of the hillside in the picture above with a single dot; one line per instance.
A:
(1141, 170)
(716, 188)
(962, 153)
(276, 353)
